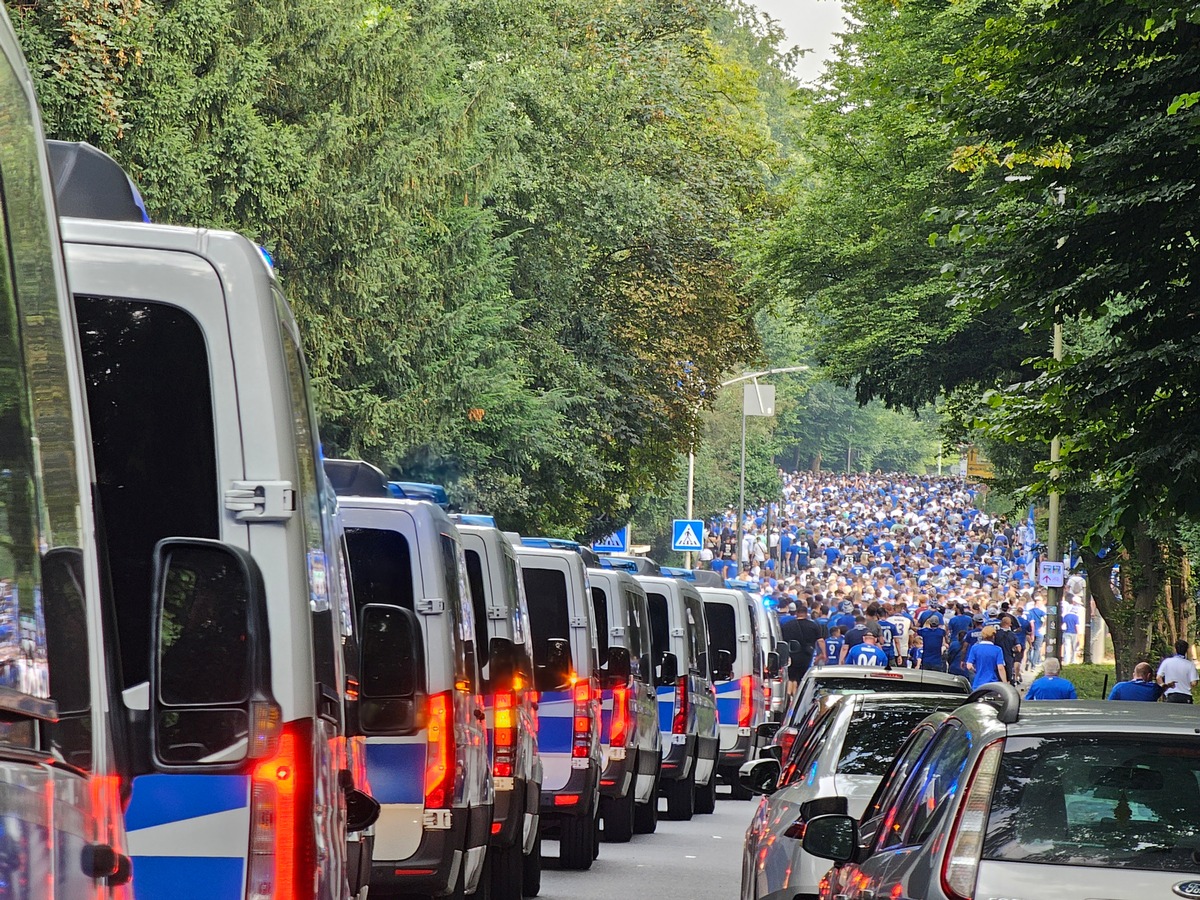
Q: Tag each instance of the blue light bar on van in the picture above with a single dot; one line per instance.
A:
(623, 565)
(549, 543)
(475, 519)
(419, 490)
(676, 572)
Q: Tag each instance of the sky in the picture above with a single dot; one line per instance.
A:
(809, 24)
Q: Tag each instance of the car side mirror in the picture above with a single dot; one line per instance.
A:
(784, 649)
(824, 806)
(362, 810)
(723, 668)
(619, 668)
(773, 664)
(392, 680)
(794, 647)
(668, 669)
(833, 837)
(760, 776)
(768, 730)
(210, 665)
(502, 663)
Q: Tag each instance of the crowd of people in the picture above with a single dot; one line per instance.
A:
(906, 570)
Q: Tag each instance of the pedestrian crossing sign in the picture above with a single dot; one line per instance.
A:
(685, 536)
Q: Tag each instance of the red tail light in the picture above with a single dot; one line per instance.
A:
(679, 723)
(786, 739)
(619, 732)
(582, 747)
(745, 712)
(283, 840)
(439, 753)
(505, 740)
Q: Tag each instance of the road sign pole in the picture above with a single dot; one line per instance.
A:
(1053, 551)
(691, 486)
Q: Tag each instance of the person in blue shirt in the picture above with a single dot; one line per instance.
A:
(1051, 686)
(866, 653)
(1141, 687)
(956, 655)
(887, 639)
(960, 622)
(933, 639)
(985, 661)
(833, 644)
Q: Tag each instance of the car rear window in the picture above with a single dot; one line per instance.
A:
(1109, 801)
(875, 734)
(549, 617)
(883, 683)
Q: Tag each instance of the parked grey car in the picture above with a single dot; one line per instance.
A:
(1067, 800)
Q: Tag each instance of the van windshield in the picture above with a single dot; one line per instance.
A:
(550, 623)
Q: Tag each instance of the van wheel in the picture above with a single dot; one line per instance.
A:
(645, 815)
(577, 842)
(508, 872)
(618, 813)
(706, 796)
(531, 880)
(681, 797)
(736, 791)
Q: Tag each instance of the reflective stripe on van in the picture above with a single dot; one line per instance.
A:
(206, 815)
(729, 699)
(666, 707)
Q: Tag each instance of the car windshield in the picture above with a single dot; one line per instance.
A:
(1113, 801)
(877, 731)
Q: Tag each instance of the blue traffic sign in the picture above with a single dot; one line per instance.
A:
(617, 542)
(687, 535)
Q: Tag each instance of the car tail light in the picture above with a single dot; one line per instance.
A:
(505, 740)
(679, 723)
(439, 752)
(619, 731)
(582, 747)
(283, 839)
(960, 866)
(745, 712)
(786, 739)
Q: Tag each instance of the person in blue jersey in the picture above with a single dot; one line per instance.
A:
(867, 653)
(833, 644)
(961, 621)
(985, 661)
(1051, 686)
(1142, 687)
(933, 644)
(1037, 625)
(887, 639)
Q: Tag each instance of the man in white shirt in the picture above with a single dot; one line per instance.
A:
(1177, 674)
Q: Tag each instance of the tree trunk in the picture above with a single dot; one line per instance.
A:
(816, 465)
(1177, 608)
(1130, 617)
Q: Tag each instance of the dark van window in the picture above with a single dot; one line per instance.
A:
(722, 628)
(380, 567)
(151, 411)
(697, 634)
(660, 627)
(600, 605)
(479, 598)
(549, 617)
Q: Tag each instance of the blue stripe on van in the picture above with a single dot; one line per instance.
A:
(556, 720)
(188, 877)
(666, 708)
(159, 799)
(729, 701)
(396, 772)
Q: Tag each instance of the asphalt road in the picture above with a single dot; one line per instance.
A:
(696, 860)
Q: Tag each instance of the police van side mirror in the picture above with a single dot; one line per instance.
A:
(502, 664)
(392, 688)
(723, 667)
(619, 668)
(668, 669)
(210, 666)
(557, 667)
(772, 664)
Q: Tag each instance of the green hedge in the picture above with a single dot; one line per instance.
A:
(1089, 679)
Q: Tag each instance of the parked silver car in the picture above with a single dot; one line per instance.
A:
(1067, 800)
(835, 768)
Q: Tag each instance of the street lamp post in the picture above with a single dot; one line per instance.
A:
(754, 376)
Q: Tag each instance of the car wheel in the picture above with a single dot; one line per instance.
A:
(531, 875)
(681, 797)
(706, 796)
(618, 813)
(577, 842)
(508, 872)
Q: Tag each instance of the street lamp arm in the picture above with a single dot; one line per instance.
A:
(751, 375)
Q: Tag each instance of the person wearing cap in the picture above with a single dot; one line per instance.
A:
(933, 642)
(1051, 686)
(1142, 687)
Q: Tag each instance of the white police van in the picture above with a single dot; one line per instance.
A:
(738, 663)
(566, 678)
(420, 703)
(504, 644)
(217, 544)
(687, 707)
(60, 804)
(630, 742)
